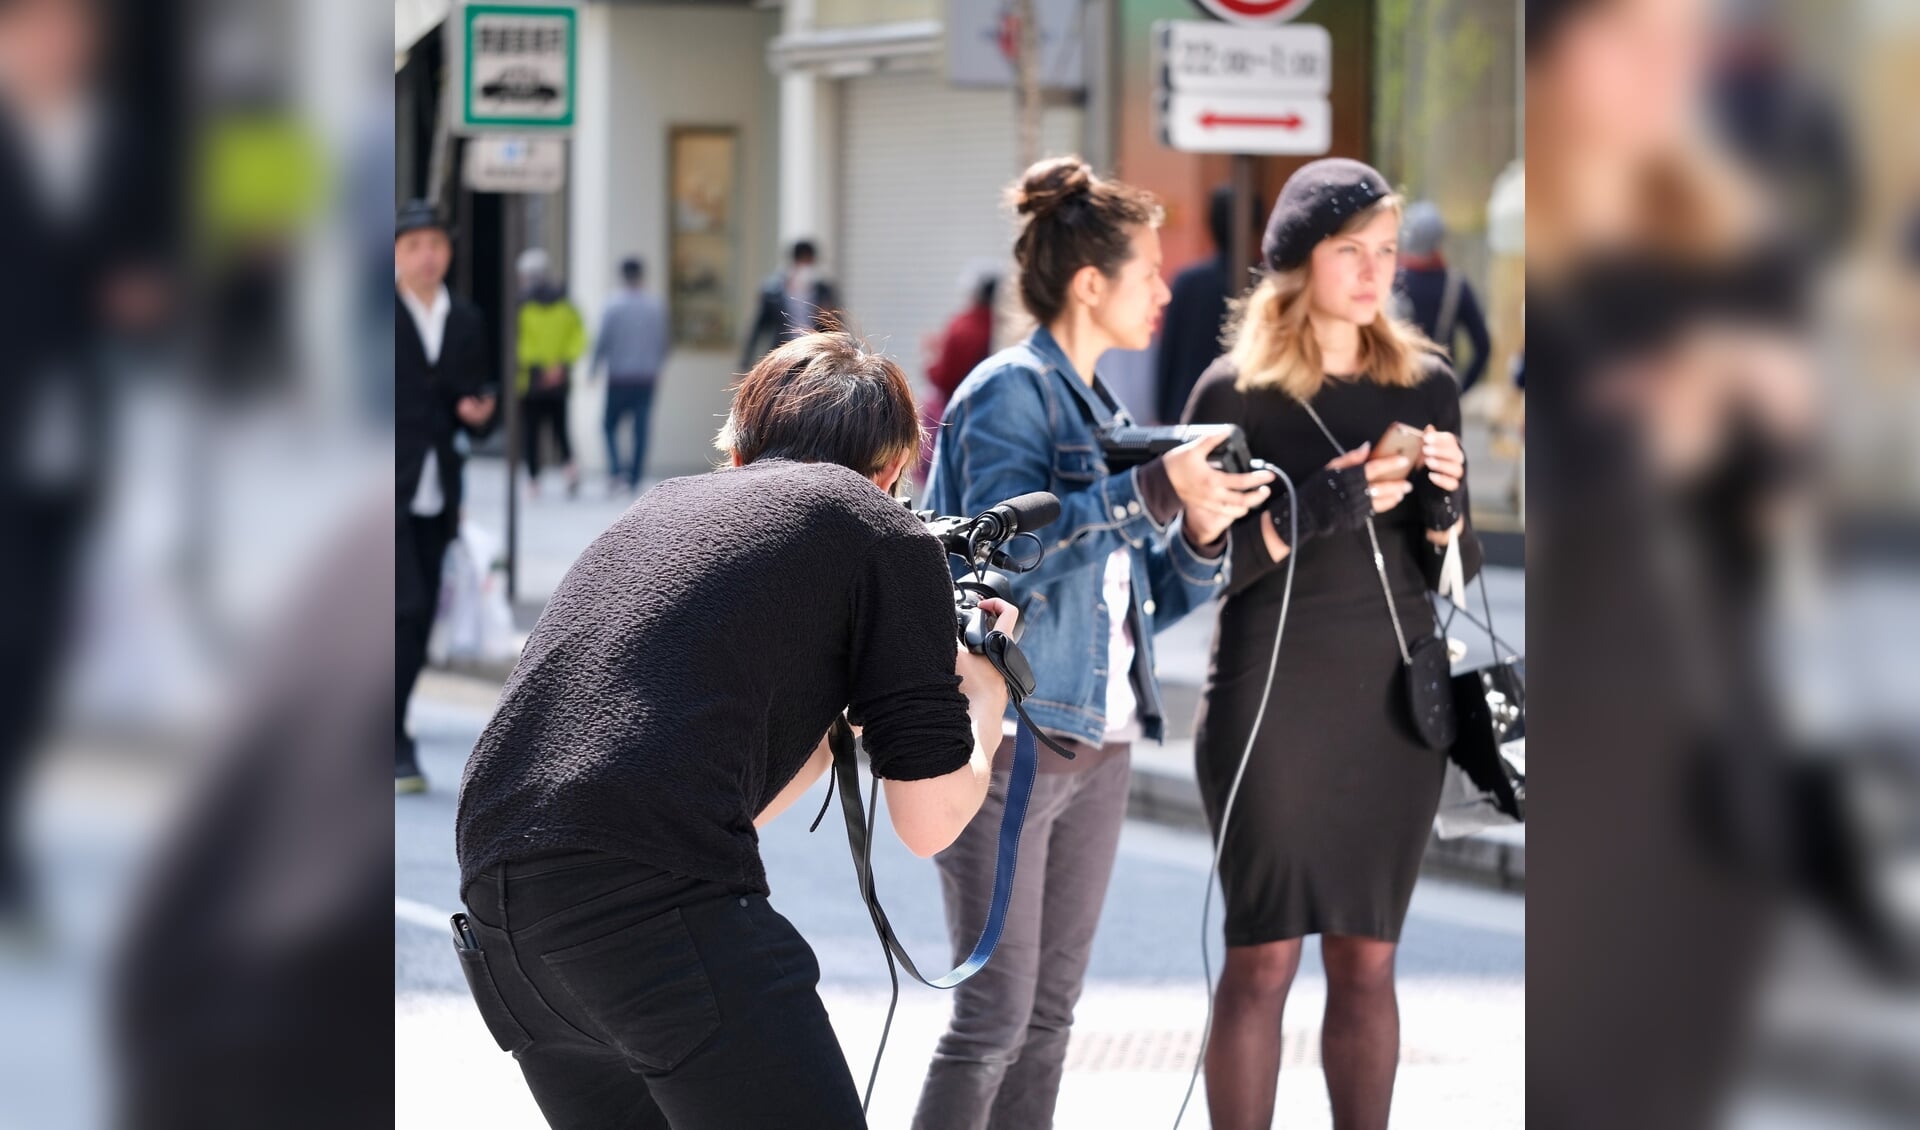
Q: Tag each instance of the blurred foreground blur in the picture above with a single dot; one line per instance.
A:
(1723, 230)
(195, 562)
(1725, 506)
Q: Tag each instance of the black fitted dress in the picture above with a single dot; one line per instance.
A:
(1333, 815)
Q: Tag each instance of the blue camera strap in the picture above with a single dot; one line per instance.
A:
(859, 819)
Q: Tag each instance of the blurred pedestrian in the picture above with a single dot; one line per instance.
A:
(1678, 398)
(443, 383)
(966, 342)
(1131, 552)
(793, 303)
(552, 337)
(1436, 297)
(1334, 787)
(1197, 314)
(83, 250)
(632, 344)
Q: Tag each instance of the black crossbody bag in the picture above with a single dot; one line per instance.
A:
(1479, 716)
(1428, 687)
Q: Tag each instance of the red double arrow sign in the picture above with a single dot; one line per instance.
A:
(1211, 119)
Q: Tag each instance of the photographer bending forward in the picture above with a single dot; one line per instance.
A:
(672, 699)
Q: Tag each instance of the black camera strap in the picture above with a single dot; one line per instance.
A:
(1013, 819)
(860, 821)
(860, 825)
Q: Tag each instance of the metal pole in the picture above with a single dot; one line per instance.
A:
(510, 247)
(1240, 249)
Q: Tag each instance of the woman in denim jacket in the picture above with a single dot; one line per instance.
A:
(1130, 552)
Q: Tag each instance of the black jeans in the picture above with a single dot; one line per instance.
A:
(544, 409)
(636, 998)
(420, 546)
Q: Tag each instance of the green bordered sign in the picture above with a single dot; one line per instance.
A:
(514, 67)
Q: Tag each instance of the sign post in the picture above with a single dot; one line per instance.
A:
(514, 67)
(513, 87)
(1244, 90)
(1226, 89)
(505, 162)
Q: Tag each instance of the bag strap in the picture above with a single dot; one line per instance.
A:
(1115, 410)
(1379, 561)
(1448, 323)
(859, 819)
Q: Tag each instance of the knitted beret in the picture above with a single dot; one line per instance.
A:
(1317, 199)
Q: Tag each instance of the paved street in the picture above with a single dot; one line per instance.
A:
(1461, 969)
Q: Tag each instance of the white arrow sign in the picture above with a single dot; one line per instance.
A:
(1215, 123)
(1294, 59)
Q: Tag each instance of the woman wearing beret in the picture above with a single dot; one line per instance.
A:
(1339, 792)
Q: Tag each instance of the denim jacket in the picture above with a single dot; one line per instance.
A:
(1020, 423)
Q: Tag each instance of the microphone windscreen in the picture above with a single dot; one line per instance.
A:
(1033, 511)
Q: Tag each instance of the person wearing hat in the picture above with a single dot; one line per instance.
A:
(1436, 297)
(1336, 792)
(442, 383)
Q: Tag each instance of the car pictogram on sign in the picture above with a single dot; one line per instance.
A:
(520, 84)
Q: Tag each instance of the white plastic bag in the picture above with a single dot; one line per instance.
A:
(474, 622)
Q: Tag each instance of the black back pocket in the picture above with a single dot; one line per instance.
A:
(645, 987)
(493, 1008)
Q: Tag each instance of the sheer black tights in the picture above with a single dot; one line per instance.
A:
(1359, 1035)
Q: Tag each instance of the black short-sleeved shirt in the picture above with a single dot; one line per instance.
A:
(694, 656)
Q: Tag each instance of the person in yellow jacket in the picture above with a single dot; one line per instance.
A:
(552, 337)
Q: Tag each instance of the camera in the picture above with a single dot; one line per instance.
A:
(1127, 446)
(987, 542)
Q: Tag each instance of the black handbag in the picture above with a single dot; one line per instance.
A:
(1428, 692)
(1428, 688)
(1479, 717)
(1486, 781)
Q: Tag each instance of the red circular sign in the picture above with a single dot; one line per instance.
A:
(1255, 11)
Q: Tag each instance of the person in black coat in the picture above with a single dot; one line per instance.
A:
(1435, 296)
(443, 382)
(1195, 315)
(85, 256)
(793, 304)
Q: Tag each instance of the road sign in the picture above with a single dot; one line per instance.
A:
(1294, 59)
(1225, 123)
(514, 67)
(1244, 89)
(1255, 12)
(510, 163)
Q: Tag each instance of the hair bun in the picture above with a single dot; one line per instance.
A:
(1051, 183)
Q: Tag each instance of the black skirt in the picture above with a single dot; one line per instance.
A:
(1336, 808)
(1333, 814)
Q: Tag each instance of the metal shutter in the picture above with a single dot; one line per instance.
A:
(922, 170)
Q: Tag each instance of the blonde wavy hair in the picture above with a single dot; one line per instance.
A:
(1272, 346)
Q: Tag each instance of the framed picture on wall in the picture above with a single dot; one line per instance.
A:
(705, 228)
